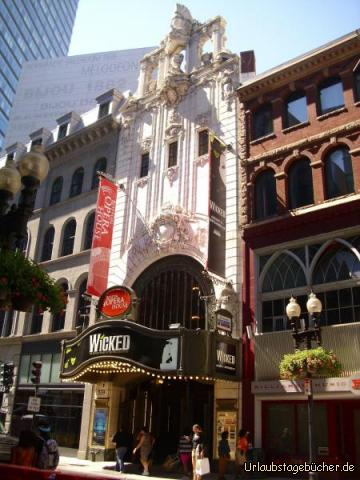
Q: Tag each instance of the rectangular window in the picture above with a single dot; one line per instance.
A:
(173, 149)
(24, 369)
(38, 141)
(203, 142)
(63, 130)
(357, 86)
(144, 169)
(331, 96)
(104, 109)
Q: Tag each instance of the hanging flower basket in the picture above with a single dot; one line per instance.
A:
(317, 362)
(23, 283)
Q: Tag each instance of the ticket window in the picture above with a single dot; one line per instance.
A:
(227, 421)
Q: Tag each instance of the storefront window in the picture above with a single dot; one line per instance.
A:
(320, 428)
(281, 428)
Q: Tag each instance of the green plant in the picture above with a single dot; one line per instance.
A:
(318, 362)
(21, 278)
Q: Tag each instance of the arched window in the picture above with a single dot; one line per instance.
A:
(76, 182)
(262, 122)
(285, 273)
(68, 238)
(336, 277)
(89, 229)
(331, 95)
(171, 292)
(265, 195)
(300, 186)
(83, 308)
(338, 173)
(48, 244)
(56, 190)
(58, 321)
(296, 109)
(100, 166)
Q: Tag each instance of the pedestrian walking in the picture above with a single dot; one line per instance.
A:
(185, 449)
(49, 452)
(145, 445)
(242, 447)
(224, 454)
(198, 448)
(122, 440)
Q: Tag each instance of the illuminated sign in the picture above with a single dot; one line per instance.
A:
(115, 302)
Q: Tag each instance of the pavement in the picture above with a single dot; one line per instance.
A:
(70, 463)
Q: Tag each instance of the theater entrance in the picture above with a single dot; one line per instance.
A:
(167, 407)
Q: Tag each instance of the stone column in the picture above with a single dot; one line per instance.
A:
(85, 421)
(218, 39)
(142, 79)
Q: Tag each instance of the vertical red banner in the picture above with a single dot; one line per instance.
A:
(102, 237)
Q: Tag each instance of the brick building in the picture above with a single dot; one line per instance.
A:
(300, 210)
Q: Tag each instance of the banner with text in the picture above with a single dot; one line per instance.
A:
(102, 237)
(217, 208)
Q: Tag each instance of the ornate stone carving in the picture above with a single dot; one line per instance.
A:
(146, 144)
(202, 161)
(172, 173)
(141, 182)
(175, 88)
(203, 119)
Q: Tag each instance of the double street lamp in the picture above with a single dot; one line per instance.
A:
(30, 171)
(303, 333)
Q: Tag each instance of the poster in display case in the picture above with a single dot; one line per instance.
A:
(227, 420)
(99, 428)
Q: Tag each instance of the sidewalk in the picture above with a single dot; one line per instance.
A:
(133, 471)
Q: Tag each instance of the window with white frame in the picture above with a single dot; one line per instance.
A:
(330, 269)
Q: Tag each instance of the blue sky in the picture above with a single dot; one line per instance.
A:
(278, 30)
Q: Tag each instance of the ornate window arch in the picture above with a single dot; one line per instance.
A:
(48, 244)
(170, 291)
(338, 172)
(77, 182)
(56, 190)
(67, 247)
(100, 166)
(89, 230)
(265, 194)
(58, 320)
(300, 184)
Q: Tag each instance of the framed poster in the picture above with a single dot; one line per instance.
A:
(99, 426)
(227, 420)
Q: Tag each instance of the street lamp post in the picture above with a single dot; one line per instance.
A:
(31, 170)
(306, 334)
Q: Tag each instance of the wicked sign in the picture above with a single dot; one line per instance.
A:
(121, 341)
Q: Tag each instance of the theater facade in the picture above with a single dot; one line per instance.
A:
(163, 349)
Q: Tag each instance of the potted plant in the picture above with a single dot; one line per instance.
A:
(23, 283)
(316, 363)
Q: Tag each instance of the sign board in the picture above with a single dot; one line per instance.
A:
(226, 358)
(34, 404)
(115, 302)
(224, 321)
(123, 341)
(355, 385)
(270, 387)
(102, 390)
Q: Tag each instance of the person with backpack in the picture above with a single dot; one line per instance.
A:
(49, 451)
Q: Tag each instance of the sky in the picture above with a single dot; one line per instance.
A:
(277, 30)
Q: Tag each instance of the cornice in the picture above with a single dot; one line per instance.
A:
(305, 142)
(301, 66)
(84, 137)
